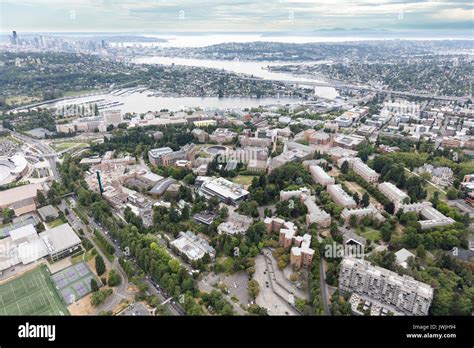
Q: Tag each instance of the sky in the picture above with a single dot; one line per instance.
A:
(162, 16)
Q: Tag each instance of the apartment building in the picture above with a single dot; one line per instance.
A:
(315, 214)
(369, 211)
(301, 254)
(403, 294)
(340, 197)
(360, 168)
(431, 217)
(320, 176)
(393, 193)
(286, 195)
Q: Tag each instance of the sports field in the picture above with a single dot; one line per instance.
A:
(32, 293)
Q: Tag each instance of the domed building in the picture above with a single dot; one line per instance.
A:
(12, 168)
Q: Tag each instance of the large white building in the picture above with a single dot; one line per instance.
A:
(369, 211)
(194, 247)
(226, 191)
(403, 294)
(341, 197)
(12, 168)
(432, 217)
(315, 214)
(25, 245)
(320, 176)
(112, 117)
(393, 193)
(286, 195)
(360, 168)
(60, 241)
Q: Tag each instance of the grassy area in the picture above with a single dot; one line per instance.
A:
(32, 293)
(369, 234)
(109, 256)
(78, 258)
(20, 100)
(55, 223)
(225, 265)
(77, 93)
(243, 179)
(67, 145)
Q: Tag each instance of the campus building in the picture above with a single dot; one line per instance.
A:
(403, 294)
(21, 199)
(340, 197)
(24, 245)
(320, 176)
(369, 211)
(301, 254)
(393, 193)
(360, 168)
(192, 246)
(431, 217)
(60, 241)
(226, 191)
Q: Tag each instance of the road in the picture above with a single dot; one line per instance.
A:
(120, 291)
(322, 285)
(48, 153)
(153, 287)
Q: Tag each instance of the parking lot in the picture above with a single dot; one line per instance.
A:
(267, 297)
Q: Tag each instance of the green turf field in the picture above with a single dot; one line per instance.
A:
(32, 293)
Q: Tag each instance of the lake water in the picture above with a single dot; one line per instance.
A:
(255, 69)
(141, 103)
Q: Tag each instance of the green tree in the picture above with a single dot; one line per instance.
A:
(452, 194)
(365, 200)
(94, 285)
(41, 199)
(253, 288)
(99, 265)
(345, 167)
(114, 278)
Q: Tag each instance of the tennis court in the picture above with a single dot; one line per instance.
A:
(32, 293)
(73, 282)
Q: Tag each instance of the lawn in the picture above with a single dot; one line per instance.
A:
(67, 145)
(55, 223)
(32, 293)
(225, 265)
(20, 100)
(369, 234)
(243, 180)
(78, 93)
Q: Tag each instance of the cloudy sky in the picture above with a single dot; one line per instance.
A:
(232, 15)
